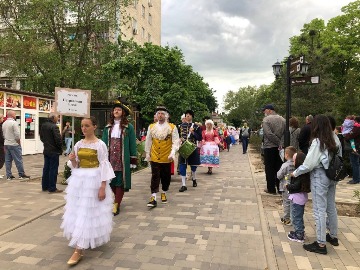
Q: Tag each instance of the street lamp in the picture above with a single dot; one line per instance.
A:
(277, 69)
(293, 66)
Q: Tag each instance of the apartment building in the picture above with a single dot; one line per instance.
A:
(145, 24)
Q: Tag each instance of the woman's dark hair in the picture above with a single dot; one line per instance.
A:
(92, 119)
(294, 122)
(321, 130)
(124, 120)
(304, 178)
(332, 122)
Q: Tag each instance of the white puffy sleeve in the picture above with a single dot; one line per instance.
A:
(76, 149)
(106, 171)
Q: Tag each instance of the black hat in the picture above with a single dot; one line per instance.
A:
(125, 108)
(161, 108)
(268, 107)
(191, 112)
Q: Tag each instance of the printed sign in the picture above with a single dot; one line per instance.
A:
(13, 101)
(1, 99)
(72, 102)
(29, 102)
(44, 105)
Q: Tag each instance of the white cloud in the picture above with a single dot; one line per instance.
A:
(233, 43)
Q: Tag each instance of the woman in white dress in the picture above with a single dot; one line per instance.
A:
(87, 221)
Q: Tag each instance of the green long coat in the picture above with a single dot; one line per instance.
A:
(128, 151)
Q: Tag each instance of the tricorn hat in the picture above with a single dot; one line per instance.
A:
(119, 104)
(191, 112)
(161, 108)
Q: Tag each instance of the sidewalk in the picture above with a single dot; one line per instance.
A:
(220, 224)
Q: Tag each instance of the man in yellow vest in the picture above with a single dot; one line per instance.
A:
(162, 141)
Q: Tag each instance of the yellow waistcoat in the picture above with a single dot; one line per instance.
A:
(160, 149)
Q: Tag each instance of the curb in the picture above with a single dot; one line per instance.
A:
(268, 246)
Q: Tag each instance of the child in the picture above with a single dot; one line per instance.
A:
(284, 172)
(298, 188)
(88, 220)
(346, 128)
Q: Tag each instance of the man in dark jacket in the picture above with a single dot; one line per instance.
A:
(2, 152)
(51, 138)
(304, 136)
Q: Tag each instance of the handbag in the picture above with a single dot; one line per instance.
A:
(186, 149)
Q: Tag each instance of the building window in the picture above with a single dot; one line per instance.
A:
(6, 83)
(143, 11)
(134, 26)
(150, 19)
(149, 38)
(143, 32)
(135, 3)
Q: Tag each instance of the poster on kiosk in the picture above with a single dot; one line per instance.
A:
(72, 102)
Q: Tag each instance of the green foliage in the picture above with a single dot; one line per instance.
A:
(151, 75)
(357, 196)
(58, 43)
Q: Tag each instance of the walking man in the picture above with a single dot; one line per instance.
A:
(51, 138)
(245, 137)
(274, 126)
(192, 132)
(13, 150)
(67, 133)
(2, 152)
(160, 146)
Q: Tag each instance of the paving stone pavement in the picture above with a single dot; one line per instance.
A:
(291, 255)
(220, 224)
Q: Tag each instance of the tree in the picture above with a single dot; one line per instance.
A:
(151, 75)
(58, 43)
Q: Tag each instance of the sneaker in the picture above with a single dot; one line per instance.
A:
(24, 176)
(315, 247)
(152, 203)
(163, 198)
(10, 178)
(333, 241)
(1, 176)
(292, 236)
(286, 221)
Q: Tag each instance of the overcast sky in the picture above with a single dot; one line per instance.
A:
(234, 43)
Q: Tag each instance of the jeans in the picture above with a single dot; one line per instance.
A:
(13, 152)
(297, 218)
(50, 172)
(286, 204)
(273, 163)
(245, 143)
(323, 196)
(68, 142)
(355, 165)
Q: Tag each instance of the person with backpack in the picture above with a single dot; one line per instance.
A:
(324, 143)
(245, 137)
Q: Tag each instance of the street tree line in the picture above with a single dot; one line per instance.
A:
(333, 51)
(71, 44)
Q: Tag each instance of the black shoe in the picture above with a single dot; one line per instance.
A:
(152, 203)
(334, 241)
(182, 189)
(315, 247)
(194, 183)
(268, 192)
(352, 182)
(10, 178)
(24, 176)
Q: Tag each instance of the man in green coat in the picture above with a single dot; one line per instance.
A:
(120, 138)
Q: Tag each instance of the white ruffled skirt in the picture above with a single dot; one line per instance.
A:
(87, 221)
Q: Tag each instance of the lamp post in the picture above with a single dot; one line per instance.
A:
(293, 66)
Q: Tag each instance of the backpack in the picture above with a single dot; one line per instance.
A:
(336, 170)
